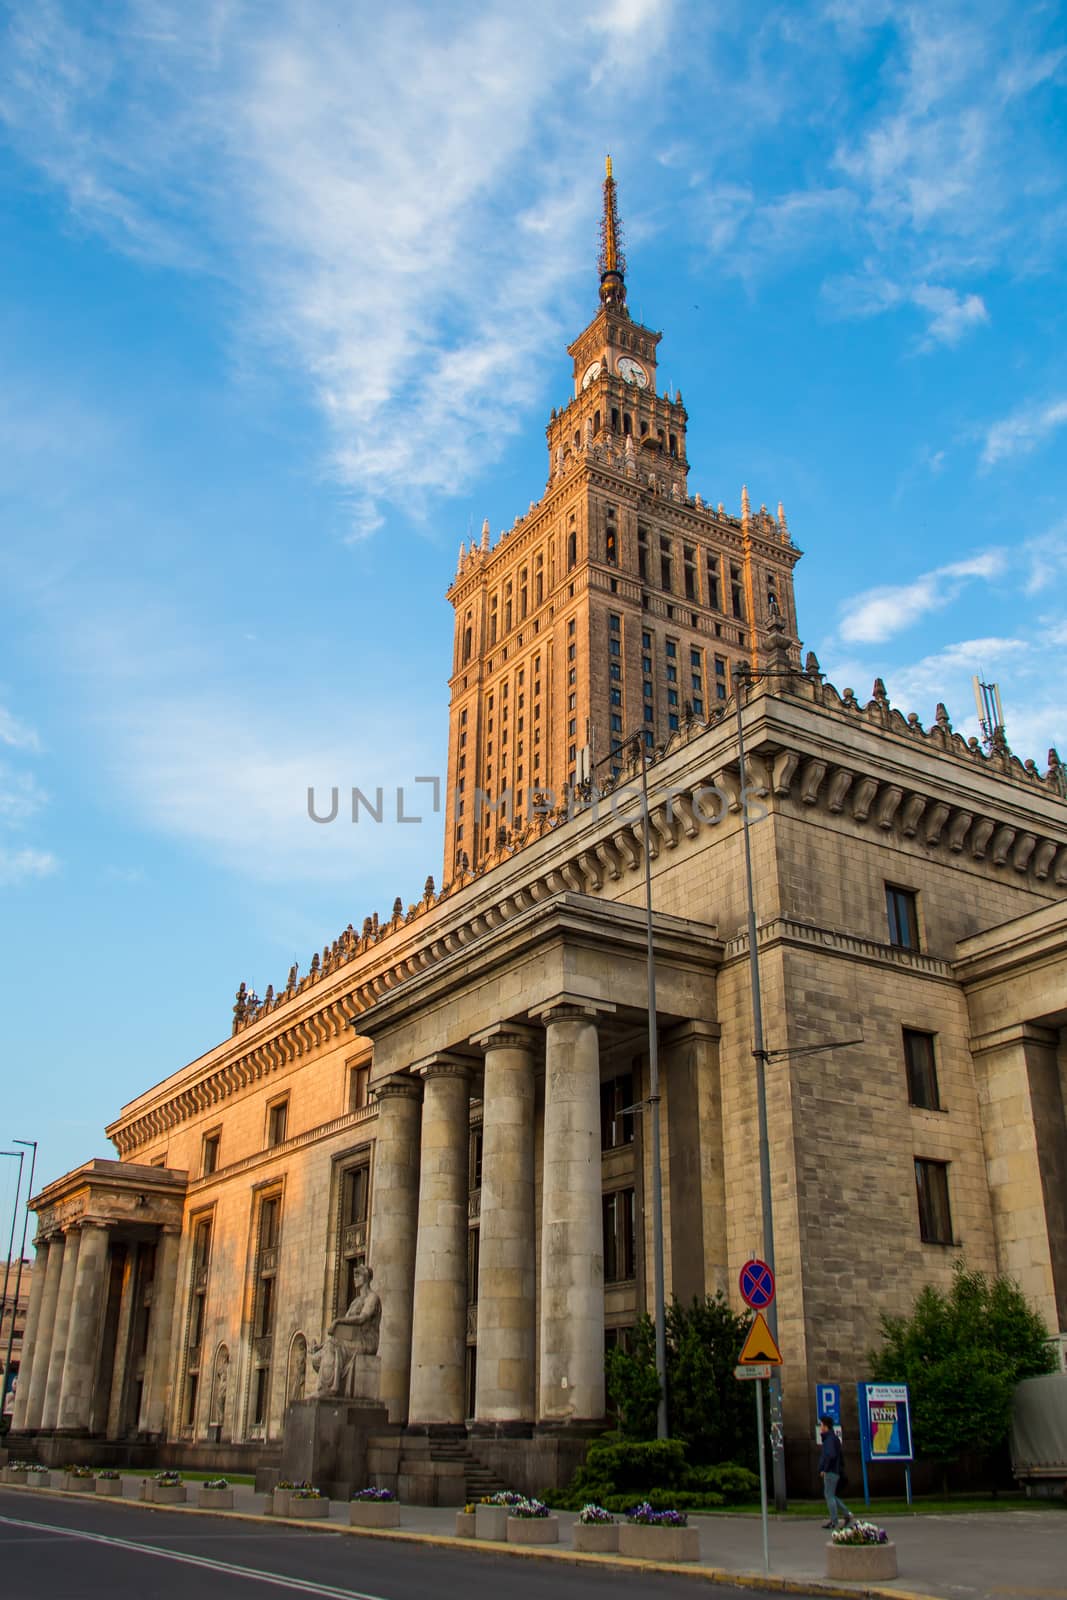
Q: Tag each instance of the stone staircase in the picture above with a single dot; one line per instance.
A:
(439, 1471)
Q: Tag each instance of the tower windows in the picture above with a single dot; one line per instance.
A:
(539, 579)
(493, 618)
(674, 446)
(689, 571)
(737, 598)
(611, 548)
(642, 553)
(902, 910)
(935, 1213)
(665, 563)
(921, 1068)
(572, 550)
(714, 591)
(614, 419)
(627, 424)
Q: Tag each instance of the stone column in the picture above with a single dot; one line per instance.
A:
(161, 1348)
(439, 1320)
(697, 1188)
(572, 1222)
(393, 1226)
(29, 1337)
(90, 1291)
(504, 1375)
(61, 1327)
(123, 1330)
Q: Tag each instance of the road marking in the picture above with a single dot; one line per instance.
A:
(277, 1579)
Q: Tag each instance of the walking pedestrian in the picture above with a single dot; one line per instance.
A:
(832, 1472)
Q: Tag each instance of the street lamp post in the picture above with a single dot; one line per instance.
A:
(760, 1054)
(27, 1144)
(18, 1155)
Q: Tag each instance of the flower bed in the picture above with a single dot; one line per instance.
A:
(38, 1477)
(861, 1553)
(80, 1480)
(531, 1522)
(307, 1503)
(655, 1535)
(491, 1515)
(215, 1495)
(282, 1493)
(164, 1489)
(108, 1482)
(595, 1531)
(14, 1472)
(466, 1522)
(374, 1508)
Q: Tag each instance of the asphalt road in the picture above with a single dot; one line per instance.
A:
(53, 1550)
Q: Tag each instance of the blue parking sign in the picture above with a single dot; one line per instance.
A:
(828, 1401)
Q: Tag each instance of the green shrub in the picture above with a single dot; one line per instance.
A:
(733, 1483)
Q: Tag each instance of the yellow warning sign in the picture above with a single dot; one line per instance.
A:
(760, 1346)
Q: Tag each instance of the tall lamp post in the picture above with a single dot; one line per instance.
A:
(742, 676)
(27, 1144)
(19, 1156)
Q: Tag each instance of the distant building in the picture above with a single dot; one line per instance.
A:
(14, 1311)
(455, 1093)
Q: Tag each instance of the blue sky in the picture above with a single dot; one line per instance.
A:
(287, 294)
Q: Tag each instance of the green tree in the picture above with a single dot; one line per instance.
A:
(961, 1355)
(706, 1406)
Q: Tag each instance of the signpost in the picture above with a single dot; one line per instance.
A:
(760, 1357)
(885, 1428)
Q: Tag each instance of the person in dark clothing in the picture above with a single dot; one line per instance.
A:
(831, 1462)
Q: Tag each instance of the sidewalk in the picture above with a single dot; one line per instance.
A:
(976, 1556)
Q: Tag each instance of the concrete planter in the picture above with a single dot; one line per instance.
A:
(110, 1487)
(597, 1538)
(214, 1499)
(162, 1494)
(491, 1522)
(38, 1480)
(533, 1530)
(314, 1507)
(374, 1514)
(75, 1485)
(861, 1563)
(13, 1475)
(466, 1525)
(279, 1502)
(659, 1544)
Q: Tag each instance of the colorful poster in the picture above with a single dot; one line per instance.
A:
(885, 1421)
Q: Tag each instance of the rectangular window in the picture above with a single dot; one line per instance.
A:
(902, 909)
(359, 1085)
(473, 1255)
(922, 1069)
(209, 1154)
(614, 622)
(616, 724)
(616, 1111)
(698, 707)
(277, 1122)
(620, 1236)
(672, 674)
(616, 647)
(935, 1216)
(259, 1395)
(737, 600)
(665, 563)
(615, 671)
(714, 593)
(646, 641)
(616, 697)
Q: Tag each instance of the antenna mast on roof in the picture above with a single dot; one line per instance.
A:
(990, 711)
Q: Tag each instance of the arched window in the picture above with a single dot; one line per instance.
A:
(674, 445)
(596, 421)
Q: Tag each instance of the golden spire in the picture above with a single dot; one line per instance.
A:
(612, 261)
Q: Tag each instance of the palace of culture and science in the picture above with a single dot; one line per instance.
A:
(448, 1095)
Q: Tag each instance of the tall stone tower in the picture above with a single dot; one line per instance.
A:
(617, 605)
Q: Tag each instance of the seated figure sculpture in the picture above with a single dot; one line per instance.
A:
(336, 1360)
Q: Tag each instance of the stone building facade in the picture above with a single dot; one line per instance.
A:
(455, 1094)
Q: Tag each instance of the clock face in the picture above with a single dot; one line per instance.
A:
(632, 371)
(591, 372)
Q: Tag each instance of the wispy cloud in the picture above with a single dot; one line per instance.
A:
(878, 614)
(336, 175)
(1022, 431)
(949, 313)
(20, 866)
(16, 733)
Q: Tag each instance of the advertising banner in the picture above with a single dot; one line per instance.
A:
(885, 1421)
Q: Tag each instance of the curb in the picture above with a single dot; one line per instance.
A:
(768, 1582)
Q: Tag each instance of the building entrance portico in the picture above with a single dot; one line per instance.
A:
(514, 1047)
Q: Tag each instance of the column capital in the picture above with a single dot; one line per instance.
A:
(505, 1035)
(443, 1064)
(401, 1086)
(1014, 1033)
(572, 1008)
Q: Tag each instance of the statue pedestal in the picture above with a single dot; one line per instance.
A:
(325, 1441)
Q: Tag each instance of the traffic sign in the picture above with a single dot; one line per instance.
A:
(828, 1401)
(762, 1370)
(760, 1346)
(757, 1284)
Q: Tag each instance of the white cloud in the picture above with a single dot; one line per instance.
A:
(338, 174)
(16, 733)
(21, 797)
(1047, 559)
(951, 314)
(878, 614)
(18, 866)
(1022, 431)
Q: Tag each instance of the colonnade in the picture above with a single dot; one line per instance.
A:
(419, 1230)
(60, 1385)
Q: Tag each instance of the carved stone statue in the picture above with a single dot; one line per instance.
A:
(340, 1359)
(299, 1370)
(222, 1380)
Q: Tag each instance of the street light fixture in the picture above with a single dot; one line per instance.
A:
(19, 1156)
